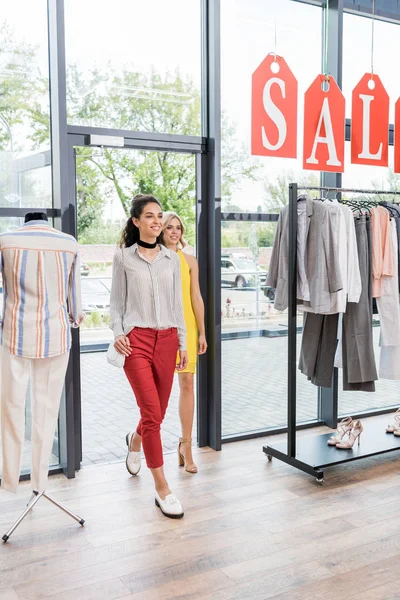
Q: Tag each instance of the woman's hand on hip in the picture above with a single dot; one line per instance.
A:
(202, 344)
(183, 360)
(122, 345)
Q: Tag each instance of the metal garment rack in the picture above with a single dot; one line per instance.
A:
(312, 454)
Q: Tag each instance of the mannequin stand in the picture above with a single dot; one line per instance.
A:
(34, 499)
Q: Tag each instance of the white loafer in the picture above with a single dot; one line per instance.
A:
(170, 506)
(133, 461)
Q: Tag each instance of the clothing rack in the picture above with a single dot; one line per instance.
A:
(312, 454)
(344, 190)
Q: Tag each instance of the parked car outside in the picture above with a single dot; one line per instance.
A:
(95, 295)
(84, 270)
(241, 272)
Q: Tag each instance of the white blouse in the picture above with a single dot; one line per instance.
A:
(146, 294)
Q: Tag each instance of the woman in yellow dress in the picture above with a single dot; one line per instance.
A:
(193, 307)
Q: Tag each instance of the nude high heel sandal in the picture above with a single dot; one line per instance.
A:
(189, 468)
(396, 423)
(354, 434)
(342, 428)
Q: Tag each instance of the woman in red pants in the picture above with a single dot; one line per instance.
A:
(149, 328)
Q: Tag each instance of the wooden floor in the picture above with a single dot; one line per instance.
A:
(252, 530)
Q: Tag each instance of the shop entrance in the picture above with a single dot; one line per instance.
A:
(106, 181)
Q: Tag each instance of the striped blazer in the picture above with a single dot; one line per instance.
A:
(41, 290)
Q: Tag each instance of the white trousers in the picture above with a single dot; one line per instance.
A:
(47, 379)
(389, 315)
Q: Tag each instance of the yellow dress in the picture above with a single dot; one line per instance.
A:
(190, 319)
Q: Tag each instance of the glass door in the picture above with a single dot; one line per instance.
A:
(106, 181)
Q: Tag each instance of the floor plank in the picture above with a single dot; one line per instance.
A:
(9, 594)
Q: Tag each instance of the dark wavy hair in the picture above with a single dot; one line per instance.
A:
(130, 234)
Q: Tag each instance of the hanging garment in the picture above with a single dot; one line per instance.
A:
(382, 259)
(322, 257)
(388, 301)
(318, 347)
(320, 332)
(351, 276)
(389, 314)
(303, 289)
(359, 368)
(348, 261)
(278, 272)
(395, 210)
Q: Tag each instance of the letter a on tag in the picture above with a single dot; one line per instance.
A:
(397, 137)
(370, 123)
(324, 122)
(274, 109)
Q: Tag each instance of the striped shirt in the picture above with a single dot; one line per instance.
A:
(41, 290)
(146, 294)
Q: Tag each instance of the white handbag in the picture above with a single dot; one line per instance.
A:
(115, 358)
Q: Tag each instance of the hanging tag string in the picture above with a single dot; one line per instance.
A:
(275, 66)
(326, 40)
(373, 40)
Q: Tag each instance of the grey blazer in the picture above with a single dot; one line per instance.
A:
(278, 271)
(321, 257)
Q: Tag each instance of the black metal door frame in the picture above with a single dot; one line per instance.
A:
(81, 137)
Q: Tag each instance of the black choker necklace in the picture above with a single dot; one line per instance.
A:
(146, 245)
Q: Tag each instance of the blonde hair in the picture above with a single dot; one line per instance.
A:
(167, 218)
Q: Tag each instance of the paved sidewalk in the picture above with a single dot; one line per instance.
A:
(253, 397)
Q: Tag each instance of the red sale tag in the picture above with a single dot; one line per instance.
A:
(397, 137)
(274, 109)
(324, 124)
(370, 122)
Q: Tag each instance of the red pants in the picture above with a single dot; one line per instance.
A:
(150, 371)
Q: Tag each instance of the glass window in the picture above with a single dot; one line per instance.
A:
(357, 39)
(254, 334)
(25, 178)
(254, 337)
(136, 66)
(249, 183)
(365, 177)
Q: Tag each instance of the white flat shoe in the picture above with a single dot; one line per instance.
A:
(170, 506)
(133, 461)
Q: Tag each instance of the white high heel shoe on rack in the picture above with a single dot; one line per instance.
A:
(396, 423)
(342, 428)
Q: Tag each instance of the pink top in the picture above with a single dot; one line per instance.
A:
(382, 251)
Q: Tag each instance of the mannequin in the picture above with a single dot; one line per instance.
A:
(42, 300)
